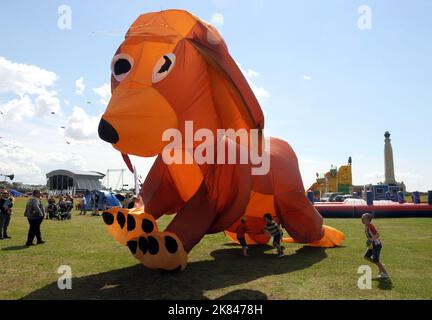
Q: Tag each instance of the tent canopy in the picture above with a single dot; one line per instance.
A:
(15, 193)
(111, 200)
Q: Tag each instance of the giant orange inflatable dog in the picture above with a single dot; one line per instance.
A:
(173, 67)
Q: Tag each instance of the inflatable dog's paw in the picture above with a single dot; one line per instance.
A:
(139, 231)
(159, 250)
(126, 224)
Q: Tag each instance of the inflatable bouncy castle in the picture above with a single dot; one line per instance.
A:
(173, 78)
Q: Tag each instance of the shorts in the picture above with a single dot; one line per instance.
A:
(276, 240)
(374, 253)
(242, 241)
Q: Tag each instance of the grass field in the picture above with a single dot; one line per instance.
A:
(102, 269)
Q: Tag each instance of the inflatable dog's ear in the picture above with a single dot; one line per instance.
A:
(209, 43)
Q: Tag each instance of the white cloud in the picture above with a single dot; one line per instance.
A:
(104, 92)
(259, 91)
(81, 126)
(19, 161)
(34, 132)
(33, 88)
(17, 109)
(79, 86)
(71, 159)
(24, 79)
(306, 77)
(47, 103)
(31, 161)
(27, 94)
(218, 19)
(250, 73)
(28, 165)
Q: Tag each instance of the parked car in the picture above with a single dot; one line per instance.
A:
(330, 196)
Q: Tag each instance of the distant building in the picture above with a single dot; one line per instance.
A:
(335, 180)
(69, 181)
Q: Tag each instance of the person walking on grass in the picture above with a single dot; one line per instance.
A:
(83, 204)
(34, 212)
(241, 232)
(6, 204)
(374, 245)
(273, 230)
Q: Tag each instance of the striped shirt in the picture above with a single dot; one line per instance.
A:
(272, 228)
(371, 233)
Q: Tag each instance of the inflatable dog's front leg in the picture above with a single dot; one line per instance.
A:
(139, 231)
(163, 250)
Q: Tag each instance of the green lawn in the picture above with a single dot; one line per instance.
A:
(102, 269)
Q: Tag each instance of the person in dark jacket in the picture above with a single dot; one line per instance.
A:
(6, 204)
(34, 212)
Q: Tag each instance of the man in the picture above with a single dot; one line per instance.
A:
(35, 214)
(5, 214)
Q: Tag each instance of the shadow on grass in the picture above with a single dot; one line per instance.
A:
(227, 269)
(14, 248)
(385, 284)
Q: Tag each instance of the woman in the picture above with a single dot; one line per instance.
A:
(35, 214)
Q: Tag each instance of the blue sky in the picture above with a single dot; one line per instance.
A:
(332, 89)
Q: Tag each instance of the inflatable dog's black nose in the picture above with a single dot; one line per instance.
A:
(107, 132)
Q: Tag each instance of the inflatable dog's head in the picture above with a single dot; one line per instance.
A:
(171, 68)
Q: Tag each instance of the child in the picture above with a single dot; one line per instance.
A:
(374, 245)
(241, 231)
(272, 229)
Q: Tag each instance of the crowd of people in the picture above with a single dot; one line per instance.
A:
(57, 207)
(61, 209)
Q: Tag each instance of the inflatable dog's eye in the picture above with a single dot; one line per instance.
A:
(121, 65)
(163, 67)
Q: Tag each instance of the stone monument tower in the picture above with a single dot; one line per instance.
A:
(388, 161)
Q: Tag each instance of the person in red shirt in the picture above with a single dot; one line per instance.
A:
(242, 229)
(374, 245)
